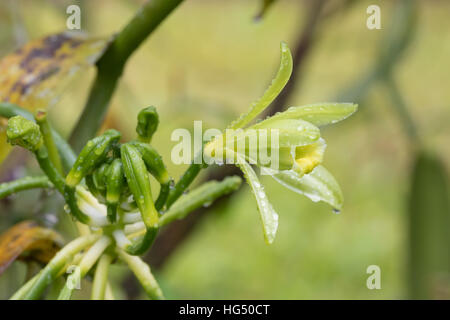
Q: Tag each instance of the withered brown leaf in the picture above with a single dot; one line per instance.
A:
(28, 241)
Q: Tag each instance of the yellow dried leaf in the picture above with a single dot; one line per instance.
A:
(34, 76)
(28, 241)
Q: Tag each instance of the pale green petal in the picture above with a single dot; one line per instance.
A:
(319, 185)
(291, 132)
(282, 77)
(319, 114)
(268, 215)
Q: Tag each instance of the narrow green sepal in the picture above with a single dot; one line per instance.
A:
(319, 114)
(278, 83)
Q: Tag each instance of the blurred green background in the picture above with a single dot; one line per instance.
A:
(208, 61)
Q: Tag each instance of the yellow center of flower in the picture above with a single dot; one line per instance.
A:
(308, 157)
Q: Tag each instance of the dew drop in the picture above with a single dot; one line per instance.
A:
(66, 208)
(50, 219)
(207, 204)
(336, 211)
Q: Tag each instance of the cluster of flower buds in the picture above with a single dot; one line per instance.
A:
(116, 175)
(107, 191)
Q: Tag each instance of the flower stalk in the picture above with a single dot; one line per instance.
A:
(143, 273)
(51, 270)
(101, 277)
(42, 121)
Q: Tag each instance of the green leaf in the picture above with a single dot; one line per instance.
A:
(319, 114)
(278, 83)
(429, 225)
(268, 215)
(319, 185)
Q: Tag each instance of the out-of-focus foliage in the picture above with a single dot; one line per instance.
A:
(264, 7)
(34, 75)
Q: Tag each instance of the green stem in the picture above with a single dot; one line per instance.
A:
(49, 169)
(66, 153)
(42, 121)
(109, 295)
(112, 63)
(201, 196)
(9, 110)
(101, 277)
(91, 257)
(51, 270)
(139, 246)
(142, 272)
(189, 175)
(86, 263)
(24, 183)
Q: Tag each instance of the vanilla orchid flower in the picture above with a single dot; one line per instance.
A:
(293, 140)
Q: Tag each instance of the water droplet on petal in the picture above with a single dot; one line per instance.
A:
(207, 204)
(66, 208)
